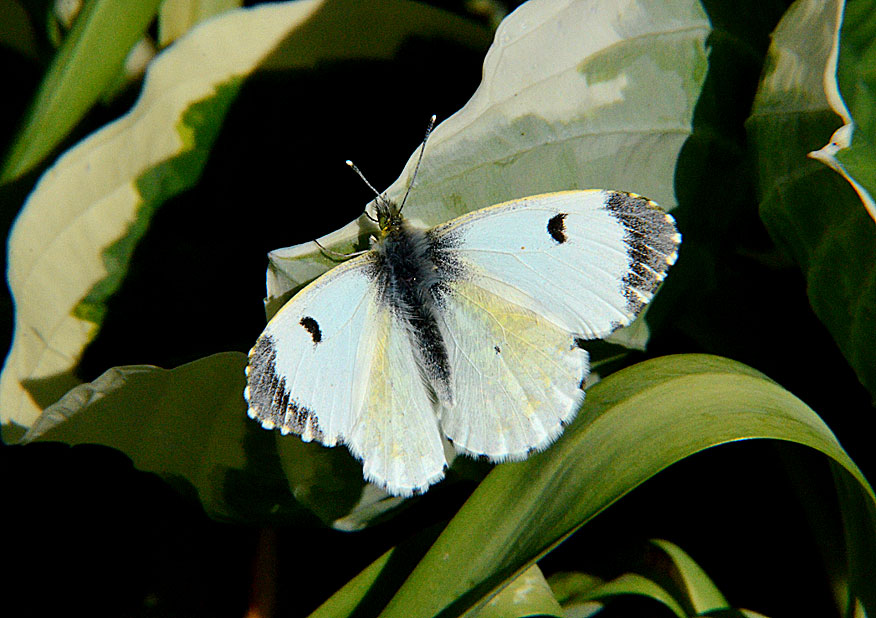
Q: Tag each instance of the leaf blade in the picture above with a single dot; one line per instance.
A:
(813, 214)
(186, 424)
(676, 406)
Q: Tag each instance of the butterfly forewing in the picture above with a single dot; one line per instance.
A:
(586, 260)
(302, 373)
(335, 365)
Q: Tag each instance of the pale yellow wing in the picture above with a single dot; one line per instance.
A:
(516, 374)
(395, 432)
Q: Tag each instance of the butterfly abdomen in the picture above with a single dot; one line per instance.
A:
(406, 276)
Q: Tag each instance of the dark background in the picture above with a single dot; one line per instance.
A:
(84, 531)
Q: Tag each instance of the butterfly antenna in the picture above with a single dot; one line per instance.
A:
(419, 159)
(377, 193)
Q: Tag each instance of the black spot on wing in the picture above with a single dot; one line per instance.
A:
(268, 397)
(497, 349)
(651, 241)
(556, 227)
(312, 327)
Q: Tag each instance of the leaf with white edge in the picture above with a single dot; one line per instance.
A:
(812, 213)
(185, 423)
(568, 100)
(70, 246)
(176, 17)
(633, 424)
(372, 505)
(849, 83)
(90, 59)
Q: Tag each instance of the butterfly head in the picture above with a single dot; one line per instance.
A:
(388, 214)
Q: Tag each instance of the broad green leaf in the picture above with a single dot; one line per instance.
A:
(326, 480)
(633, 424)
(188, 425)
(70, 246)
(698, 588)
(91, 57)
(857, 514)
(176, 17)
(528, 595)
(811, 212)
(849, 83)
(568, 100)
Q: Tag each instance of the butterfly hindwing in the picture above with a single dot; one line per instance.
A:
(395, 432)
(516, 375)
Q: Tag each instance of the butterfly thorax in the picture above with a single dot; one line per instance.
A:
(408, 281)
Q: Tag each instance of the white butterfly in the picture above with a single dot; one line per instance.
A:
(473, 329)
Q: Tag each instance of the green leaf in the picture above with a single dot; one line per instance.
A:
(326, 480)
(527, 595)
(368, 592)
(188, 425)
(696, 594)
(567, 100)
(570, 587)
(698, 588)
(733, 613)
(349, 599)
(849, 82)
(631, 583)
(87, 63)
(633, 424)
(811, 212)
